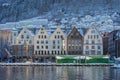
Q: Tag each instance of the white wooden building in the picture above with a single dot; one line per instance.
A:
(93, 44)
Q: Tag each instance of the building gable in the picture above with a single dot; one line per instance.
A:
(74, 34)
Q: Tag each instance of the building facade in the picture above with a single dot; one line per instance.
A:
(93, 44)
(23, 44)
(42, 45)
(105, 43)
(58, 42)
(74, 42)
(48, 44)
(5, 43)
(113, 46)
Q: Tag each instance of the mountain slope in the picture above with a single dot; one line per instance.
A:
(15, 10)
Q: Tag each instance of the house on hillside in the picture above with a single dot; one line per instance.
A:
(74, 42)
(93, 44)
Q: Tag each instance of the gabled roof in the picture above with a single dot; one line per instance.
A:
(74, 30)
(30, 32)
(93, 26)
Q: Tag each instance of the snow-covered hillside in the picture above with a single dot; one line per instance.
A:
(102, 22)
(17, 10)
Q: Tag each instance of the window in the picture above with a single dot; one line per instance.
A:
(94, 36)
(27, 37)
(19, 42)
(97, 36)
(30, 42)
(53, 47)
(58, 47)
(36, 52)
(69, 47)
(92, 51)
(42, 47)
(88, 36)
(87, 42)
(99, 47)
(58, 36)
(98, 52)
(80, 47)
(87, 47)
(93, 31)
(55, 36)
(39, 36)
(14, 34)
(98, 41)
(93, 42)
(42, 36)
(37, 42)
(93, 47)
(22, 36)
(42, 42)
(58, 32)
(53, 41)
(91, 36)
(86, 52)
(76, 47)
(58, 41)
(24, 31)
(62, 37)
(37, 47)
(46, 47)
(46, 42)
(45, 36)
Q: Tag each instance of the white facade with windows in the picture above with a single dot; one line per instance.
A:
(47, 43)
(58, 42)
(93, 44)
(42, 43)
(25, 37)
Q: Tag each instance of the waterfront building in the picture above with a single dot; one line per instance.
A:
(42, 45)
(74, 42)
(48, 44)
(113, 46)
(58, 42)
(5, 42)
(105, 36)
(93, 44)
(23, 45)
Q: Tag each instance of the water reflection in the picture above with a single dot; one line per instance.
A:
(58, 73)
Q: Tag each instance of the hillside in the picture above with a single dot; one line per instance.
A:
(16, 10)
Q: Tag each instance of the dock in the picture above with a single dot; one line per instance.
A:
(55, 64)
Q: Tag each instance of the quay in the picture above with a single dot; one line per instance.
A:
(55, 64)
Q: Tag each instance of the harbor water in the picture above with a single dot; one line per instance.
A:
(59, 73)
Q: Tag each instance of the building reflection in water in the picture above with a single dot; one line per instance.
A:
(58, 73)
(115, 74)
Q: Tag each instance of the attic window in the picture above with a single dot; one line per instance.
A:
(58, 32)
(24, 31)
(93, 31)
